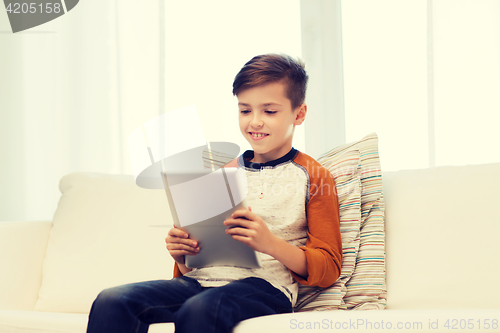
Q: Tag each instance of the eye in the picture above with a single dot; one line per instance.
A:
(271, 112)
(244, 111)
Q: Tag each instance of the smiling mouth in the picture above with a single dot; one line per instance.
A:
(255, 135)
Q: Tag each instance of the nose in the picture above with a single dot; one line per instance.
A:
(256, 120)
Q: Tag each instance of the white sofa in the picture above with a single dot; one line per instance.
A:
(442, 266)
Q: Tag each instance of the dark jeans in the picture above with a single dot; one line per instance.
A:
(132, 307)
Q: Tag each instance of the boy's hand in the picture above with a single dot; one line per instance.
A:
(250, 229)
(179, 244)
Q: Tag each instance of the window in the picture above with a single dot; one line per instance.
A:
(425, 76)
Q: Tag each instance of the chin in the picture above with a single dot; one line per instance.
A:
(261, 151)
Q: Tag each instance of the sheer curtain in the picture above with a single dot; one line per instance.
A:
(73, 89)
(424, 75)
(322, 52)
(68, 91)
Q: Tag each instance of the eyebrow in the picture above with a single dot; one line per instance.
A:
(264, 105)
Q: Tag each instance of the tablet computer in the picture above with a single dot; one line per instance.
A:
(200, 201)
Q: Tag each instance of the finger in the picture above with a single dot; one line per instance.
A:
(177, 232)
(178, 246)
(177, 240)
(240, 231)
(238, 222)
(180, 253)
(244, 240)
(243, 213)
(182, 247)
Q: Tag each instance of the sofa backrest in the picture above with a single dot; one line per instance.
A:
(442, 227)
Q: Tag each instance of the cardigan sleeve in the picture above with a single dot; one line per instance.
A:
(324, 244)
(177, 271)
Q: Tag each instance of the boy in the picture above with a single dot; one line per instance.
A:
(292, 200)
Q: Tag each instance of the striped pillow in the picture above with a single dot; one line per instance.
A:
(361, 284)
(367, 287)
(346, 170)
(366, 290)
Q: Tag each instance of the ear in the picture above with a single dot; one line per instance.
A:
(301, 114)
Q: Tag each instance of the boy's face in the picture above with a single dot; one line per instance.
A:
(267, 111)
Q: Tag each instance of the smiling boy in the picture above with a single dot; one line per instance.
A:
(292, 220)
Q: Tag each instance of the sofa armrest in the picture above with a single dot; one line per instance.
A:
(22, 251)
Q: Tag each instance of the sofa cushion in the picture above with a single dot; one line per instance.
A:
(397, 321)
(54, 322)
(442, 237)
(101, 237)
(361, 284)
(42, 322)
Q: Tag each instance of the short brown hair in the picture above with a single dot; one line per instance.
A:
(268, 68)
